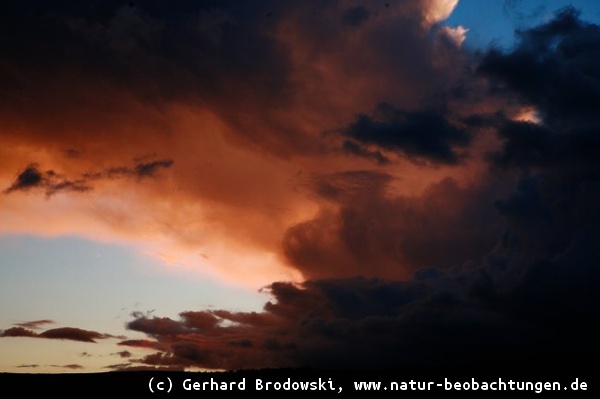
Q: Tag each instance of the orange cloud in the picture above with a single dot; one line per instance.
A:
(203, 153)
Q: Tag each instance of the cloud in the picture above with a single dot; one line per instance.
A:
(355, 16)
(65, 333)
(150, 168)
(366, 231)
(141, 343)
(553, 69)
(420, 135)
(557, 171)
(72, 366)
(238, 97)
(30, 177)
(353, 148)
(66, 366)
(18, 332)
(129, 367)
(124, 354)
(504, 270)
(562, 51)
(52, 182)
(49, 181)
(35, 324)
(71, 333)
(377, 178)
(117, 366)
(140, 170)
(438, 318)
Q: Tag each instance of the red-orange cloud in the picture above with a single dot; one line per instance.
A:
(66, 333)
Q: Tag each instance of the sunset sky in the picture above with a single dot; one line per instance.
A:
(246, 184)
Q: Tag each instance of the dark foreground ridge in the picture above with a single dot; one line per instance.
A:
(571, 376)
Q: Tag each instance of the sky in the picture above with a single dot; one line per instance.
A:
(218, 185)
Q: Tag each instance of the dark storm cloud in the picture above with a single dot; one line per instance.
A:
(348, 185)
(370, 232)
(529, 290)
(568, 148)
(66, 66)
(438, 318)
(419, 135)
(554, 69)
(351, 147)
(157, 52)
(455, 274)
(554, 66)
(355, 16)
